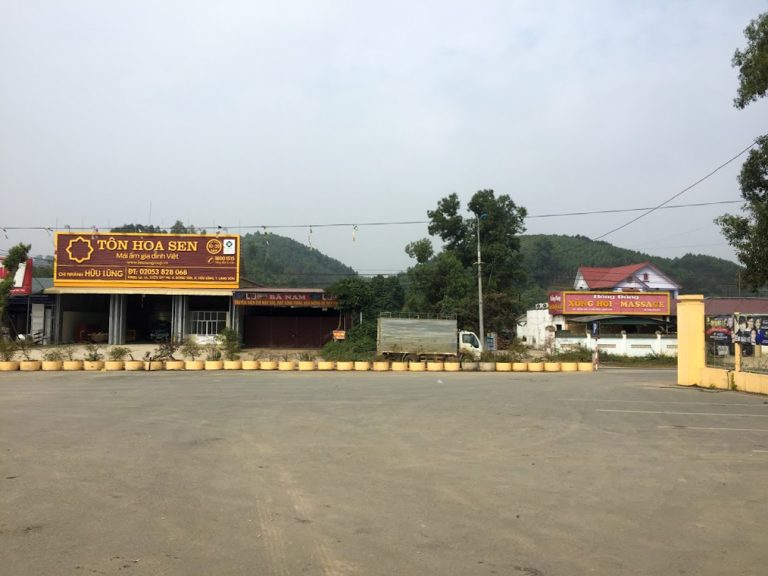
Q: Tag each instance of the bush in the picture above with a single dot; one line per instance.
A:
(360, 344)
(8, 349)
(118, 353)
(68, 351)
(190, 348)
(166, 350)
(229, 341)
(579, 354)
(650, 360)
(212, 352)
(93, 353)
(53, 355)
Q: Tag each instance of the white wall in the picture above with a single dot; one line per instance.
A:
(623, 345)
(535, 328)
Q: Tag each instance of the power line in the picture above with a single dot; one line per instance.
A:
(268, 227)
(683, 191)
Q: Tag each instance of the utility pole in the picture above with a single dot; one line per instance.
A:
(480, 286)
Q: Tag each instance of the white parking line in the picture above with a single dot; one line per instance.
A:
(682, 413)
(761, 451)
(659, 402)
(713, 428)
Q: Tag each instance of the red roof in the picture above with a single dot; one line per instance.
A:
(597, 278)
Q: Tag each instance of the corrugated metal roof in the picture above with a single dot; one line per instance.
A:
(728, 306)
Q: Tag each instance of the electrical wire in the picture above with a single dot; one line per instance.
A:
(267, 227)
(683, 191)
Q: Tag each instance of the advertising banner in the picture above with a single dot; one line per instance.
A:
(22, 284)
(297, 299)
(146, 260)
(610, 303)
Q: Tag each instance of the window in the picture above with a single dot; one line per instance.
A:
(208, 323)
(645, 276)
(470, 339)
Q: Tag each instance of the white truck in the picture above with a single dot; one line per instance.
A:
(423, 338)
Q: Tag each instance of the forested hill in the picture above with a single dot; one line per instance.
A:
(552, 261)
(274, 260)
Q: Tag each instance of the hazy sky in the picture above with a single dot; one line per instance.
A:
(248, 113)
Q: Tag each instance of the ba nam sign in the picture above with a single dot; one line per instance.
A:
(283, 299)
(610, 303)
(146, 260)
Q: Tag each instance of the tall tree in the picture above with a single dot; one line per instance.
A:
(446, 282)
(752, 63)
(748, 232)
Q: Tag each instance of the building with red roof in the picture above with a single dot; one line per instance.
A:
(643, 277)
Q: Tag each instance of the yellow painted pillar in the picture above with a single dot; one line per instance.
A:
(691, 343)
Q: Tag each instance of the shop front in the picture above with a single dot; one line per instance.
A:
(123, 288)
(288, 317)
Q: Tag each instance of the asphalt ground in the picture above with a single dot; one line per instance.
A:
(619, 472)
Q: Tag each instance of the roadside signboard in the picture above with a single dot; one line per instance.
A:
(146, 260)
(610, 303)
(290, 299)
(22, 284)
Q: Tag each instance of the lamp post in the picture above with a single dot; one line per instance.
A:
(480, 285)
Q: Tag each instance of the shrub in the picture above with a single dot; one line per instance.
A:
(118, 353)
(68, 351)
(8, 349)
(93, 353)
(53, 355)
(190, 348)
(229, 342)
(25, 345)
(212, 352)
(166, 350)
(360, 344)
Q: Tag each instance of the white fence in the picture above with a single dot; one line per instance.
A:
(622, 344)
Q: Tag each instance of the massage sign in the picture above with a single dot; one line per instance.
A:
(147, 260)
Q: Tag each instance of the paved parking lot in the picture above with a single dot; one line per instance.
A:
(334, 474)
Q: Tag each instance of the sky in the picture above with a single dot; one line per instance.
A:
(255, 115)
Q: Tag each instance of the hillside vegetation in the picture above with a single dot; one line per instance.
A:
(274, 260)
(552, 260)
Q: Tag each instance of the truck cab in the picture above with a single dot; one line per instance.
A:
(469, 344)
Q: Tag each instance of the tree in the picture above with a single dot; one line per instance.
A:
(752, 63)
(138, 228)
(501, 222)
(16, 255)
(747, 232)
(446, 282)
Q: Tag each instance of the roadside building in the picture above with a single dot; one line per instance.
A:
(610, 307)
(29, 311)
(119, 288)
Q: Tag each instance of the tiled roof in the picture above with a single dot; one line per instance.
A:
(597, 278)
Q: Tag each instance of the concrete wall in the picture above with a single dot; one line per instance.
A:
(624, 345)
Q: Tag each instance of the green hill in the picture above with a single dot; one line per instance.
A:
(552, 260)
(274, 260)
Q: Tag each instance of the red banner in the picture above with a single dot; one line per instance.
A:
(613, 303)
(22, 285)
(147, 260)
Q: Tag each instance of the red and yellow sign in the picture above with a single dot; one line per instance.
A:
(146, 260)
(614, 303)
